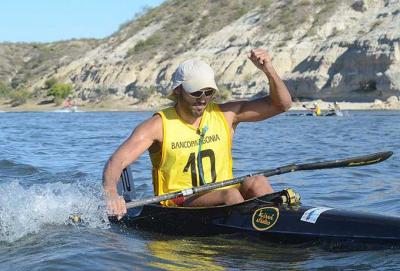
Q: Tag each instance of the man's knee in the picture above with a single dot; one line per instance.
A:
(232, 196)
(256, 186)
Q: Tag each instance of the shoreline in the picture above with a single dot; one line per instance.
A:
(124, 105)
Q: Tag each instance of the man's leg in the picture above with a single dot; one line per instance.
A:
(216, 197)
(255, 186)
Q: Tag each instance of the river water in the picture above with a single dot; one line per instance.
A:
(51, 165)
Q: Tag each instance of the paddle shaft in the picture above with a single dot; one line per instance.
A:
(348, 162)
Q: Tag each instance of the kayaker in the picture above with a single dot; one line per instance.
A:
(68, 103)
(190, 142)
(316, 110)
(336, 107)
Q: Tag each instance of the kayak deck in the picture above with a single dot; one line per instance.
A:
(269, 218)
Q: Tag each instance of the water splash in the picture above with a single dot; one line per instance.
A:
(25, 210)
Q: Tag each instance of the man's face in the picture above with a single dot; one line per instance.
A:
(196, 102)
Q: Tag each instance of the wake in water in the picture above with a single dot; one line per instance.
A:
(25, 210)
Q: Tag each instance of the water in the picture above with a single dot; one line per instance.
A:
(51, 165)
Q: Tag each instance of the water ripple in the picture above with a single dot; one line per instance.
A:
(51, 166)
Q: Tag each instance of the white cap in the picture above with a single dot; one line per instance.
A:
(193, 75)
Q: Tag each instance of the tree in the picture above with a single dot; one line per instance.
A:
(60, 91)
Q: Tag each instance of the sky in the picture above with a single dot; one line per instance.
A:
(54, 20)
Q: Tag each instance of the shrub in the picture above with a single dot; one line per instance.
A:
(144, 45)
(19, 97)
(17, 81)
(4, 90)
(49, 83)
(60, 91)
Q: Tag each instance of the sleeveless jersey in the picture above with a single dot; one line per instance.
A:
(318, 111)
(191, 157)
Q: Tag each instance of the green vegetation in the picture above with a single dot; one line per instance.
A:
(49, 83)
(185, 24)
(19, 97)
(292, 14)
(144, 45)
(180, 25)
(60, 91)
(4, 91)
(34, 60)
(16, 97)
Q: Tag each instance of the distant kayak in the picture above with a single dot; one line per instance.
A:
(335, 113)
(328, 114)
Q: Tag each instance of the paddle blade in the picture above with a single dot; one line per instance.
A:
(349, 162)
(370, 159)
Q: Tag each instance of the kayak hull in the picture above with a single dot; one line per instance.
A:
(266, 218)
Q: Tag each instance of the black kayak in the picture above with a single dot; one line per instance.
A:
(279, 216)
(327, 114)
(274, 217)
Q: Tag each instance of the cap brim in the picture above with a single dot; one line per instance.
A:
(197, 84)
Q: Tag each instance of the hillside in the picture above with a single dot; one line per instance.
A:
(324, 49)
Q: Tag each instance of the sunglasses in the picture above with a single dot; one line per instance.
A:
(200, 93)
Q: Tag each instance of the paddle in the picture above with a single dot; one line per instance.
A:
(348, 162)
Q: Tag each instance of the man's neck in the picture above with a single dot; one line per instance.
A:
(187, 116)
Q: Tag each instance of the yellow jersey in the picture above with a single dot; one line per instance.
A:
(317, 111)
(192, 156)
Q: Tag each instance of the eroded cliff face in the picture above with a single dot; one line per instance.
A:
(358, 58)
(331, 50)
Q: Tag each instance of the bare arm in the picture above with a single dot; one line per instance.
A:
(278, 100)
(144, 136)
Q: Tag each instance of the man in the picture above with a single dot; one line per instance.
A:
(316, 110)
(334, 110)
(190, 143)
(336, 106)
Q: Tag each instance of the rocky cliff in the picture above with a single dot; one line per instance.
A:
(324, 49)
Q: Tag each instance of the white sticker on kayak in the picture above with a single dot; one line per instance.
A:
(312, 215)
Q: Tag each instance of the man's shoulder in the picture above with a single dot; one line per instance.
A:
(166, 112)
(154, 121)
(150, 128)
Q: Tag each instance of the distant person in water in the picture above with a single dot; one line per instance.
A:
(190, 143)
(315, 109)
(336, 107)
(68, 103)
